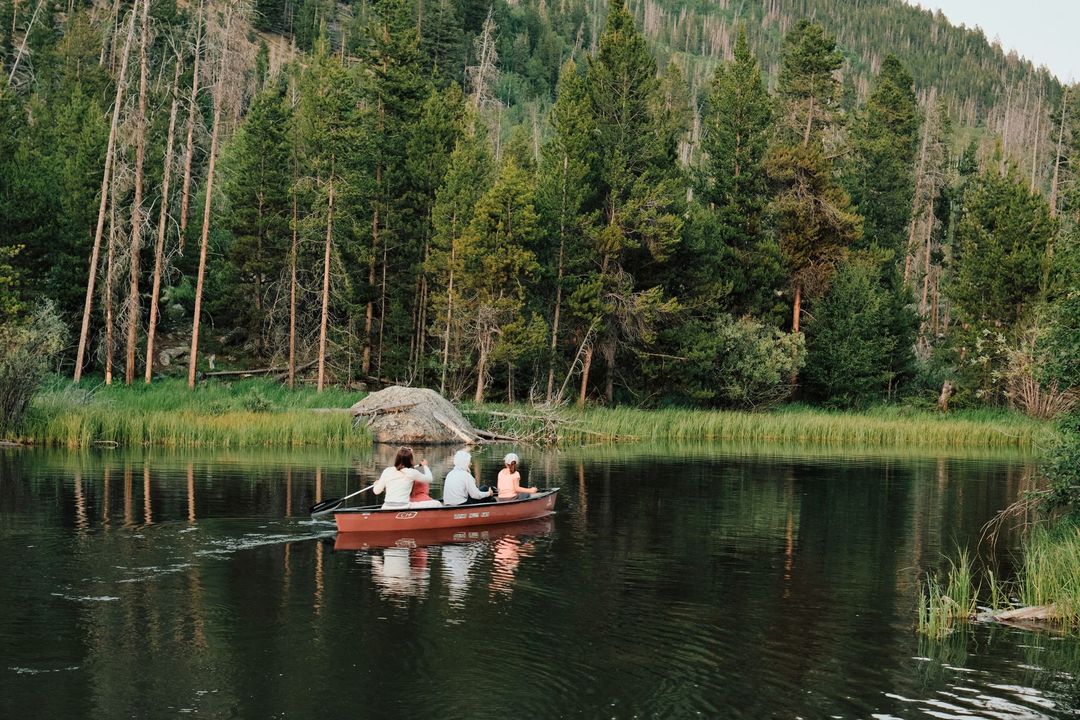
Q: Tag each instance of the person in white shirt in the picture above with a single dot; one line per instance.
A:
(397, 481)
(460, 486)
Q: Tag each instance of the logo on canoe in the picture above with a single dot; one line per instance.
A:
(405, 516)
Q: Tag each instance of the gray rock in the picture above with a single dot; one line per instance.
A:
(405, 415)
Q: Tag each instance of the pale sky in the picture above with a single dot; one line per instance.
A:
(1044, 31)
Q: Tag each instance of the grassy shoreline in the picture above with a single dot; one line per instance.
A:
(261, 413)
(244, 414)
(877, 427)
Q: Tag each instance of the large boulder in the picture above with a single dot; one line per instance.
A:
(406, 416)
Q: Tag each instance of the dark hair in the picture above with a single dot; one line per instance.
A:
(403, 459)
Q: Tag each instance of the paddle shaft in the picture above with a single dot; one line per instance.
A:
(328, 505)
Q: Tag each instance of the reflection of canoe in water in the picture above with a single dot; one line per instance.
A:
(440, 536)
(375, 519)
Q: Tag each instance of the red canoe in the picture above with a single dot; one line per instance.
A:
(375, 519)
(441, 536)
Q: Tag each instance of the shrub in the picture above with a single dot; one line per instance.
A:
(26, 349)
(859, 339)
(745, 364)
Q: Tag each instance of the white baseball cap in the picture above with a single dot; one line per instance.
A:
(510, 458)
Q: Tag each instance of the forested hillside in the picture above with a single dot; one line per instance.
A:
(724, 203)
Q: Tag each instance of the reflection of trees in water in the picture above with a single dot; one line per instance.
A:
(772, 539)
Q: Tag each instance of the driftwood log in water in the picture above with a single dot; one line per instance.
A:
(1025, 617)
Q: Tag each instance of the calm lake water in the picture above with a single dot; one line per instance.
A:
(681, 581)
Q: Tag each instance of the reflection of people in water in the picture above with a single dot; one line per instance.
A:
(458, 562)
(460, 485)
(510, 480)
(508, 552)
(401, 571)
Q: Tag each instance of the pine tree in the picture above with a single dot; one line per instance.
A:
(884, 144)
(396, 91)
(496, 263)
(430, 147)
(808, 85)
(563, 194)
(637, 225)
(1000, 254)
(257, 178)
(468, 175)
(734, 256)
(815, 220)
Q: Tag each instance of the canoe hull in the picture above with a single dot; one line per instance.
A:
(373, 519)
(442, 536)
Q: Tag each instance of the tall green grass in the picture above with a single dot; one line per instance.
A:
(250, 413)
(949, 601)
(1051, 570)
(882, 427)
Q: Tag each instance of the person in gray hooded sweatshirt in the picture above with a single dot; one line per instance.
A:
(460, 486)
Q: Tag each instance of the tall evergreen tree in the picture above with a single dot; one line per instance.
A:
(735, 256)
(396, 91)
(257, 179)
(638, 225)
(1000, 253)
(814, 215)
(563, 194)
(468, 175)
(881, 177)
(496, 262)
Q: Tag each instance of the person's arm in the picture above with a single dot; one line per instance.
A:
(422, 473)
(380, 484)
(517, 485)
(474, 492)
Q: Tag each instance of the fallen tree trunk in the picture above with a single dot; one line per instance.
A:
(255, 371)
(466, 438)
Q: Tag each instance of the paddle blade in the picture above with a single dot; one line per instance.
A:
(324, 507)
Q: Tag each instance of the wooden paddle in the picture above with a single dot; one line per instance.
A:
(328, 506)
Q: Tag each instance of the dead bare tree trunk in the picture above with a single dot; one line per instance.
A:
(587, 364)
(136, 210)
(919, 175)
(25, 40)
(369, 314)
(1057, 154)
(214, 132)
(449, 311)
(108, 299)
(558, 286)
(796, 309)
(382, 312)
(163, 215)
(481, 367)
(1035, 149)
(105, 184)
(189, 147)
(292, 292)
(326, 280)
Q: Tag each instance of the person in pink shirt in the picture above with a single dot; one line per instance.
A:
(510, 480)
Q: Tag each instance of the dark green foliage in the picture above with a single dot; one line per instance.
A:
(9, 284)
(258, 174)
(884, 142)
(1060, 345)
(852, 340)
(27, 348)
(1000, 253)
(731, 256)
(741, 363)
(1062, 468)
(807, 86)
